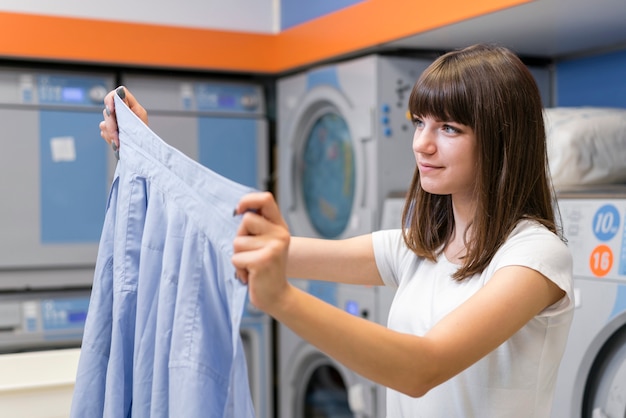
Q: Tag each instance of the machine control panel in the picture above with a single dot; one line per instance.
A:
(42, 319)
(49, 88)
(70, 90)
(595, 230)
(209, 96)
(202, 96)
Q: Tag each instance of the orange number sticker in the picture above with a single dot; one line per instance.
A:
(601, 260)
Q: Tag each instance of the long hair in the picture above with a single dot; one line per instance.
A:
(489, 89)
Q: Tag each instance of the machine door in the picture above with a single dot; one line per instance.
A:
(327, 175)
(325, 394)
(328, 186)
(314, 385)
(325, 389)
(604, 395)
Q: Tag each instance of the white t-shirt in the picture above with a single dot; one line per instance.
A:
(515, 380)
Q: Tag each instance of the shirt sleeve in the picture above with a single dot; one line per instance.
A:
(534, 246)
(388, 248)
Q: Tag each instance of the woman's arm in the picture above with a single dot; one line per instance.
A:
(410, 364)
(406, 363)
(345, 261)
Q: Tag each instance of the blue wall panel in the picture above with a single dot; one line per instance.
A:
(228, 147)
(294, 12)
(598, 80)
(73, 189)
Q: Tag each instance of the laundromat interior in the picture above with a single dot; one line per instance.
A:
(307, 100)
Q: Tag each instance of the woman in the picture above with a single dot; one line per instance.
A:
(484, 281)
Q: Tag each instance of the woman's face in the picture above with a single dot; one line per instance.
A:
(446, 156)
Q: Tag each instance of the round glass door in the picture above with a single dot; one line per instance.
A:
(328, 175)
(326, 395)
(604, 391)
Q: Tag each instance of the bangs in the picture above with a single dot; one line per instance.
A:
(442, 95)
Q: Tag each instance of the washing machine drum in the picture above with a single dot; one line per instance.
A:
(327, 175)
(319, 387)
(326, 395)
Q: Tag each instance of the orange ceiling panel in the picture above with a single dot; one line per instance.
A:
(363, 25)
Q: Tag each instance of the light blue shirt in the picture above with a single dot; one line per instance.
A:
(162, 332)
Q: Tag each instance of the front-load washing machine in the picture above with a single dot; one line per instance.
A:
(344, 146)
(592, 376)
(312, 384)
(344, 143)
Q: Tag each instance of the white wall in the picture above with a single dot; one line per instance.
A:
(237, 15)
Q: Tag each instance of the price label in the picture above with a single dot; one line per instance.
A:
(606, 222)
(601, 260)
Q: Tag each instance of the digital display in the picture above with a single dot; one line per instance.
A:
(72, 94)
(226, 100)
(64, 314)
(352, 307)
(73, 317)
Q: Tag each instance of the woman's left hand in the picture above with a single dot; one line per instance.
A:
(108, 127)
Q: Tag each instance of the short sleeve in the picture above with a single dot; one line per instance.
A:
(389, 248)
(534, 246)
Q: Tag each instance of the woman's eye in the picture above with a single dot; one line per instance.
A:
(417, 122)
(451, 129)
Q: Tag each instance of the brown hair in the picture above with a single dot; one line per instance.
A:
(489, 89)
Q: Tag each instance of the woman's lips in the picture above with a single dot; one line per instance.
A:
(426, 168)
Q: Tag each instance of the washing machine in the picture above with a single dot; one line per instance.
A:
(344, 143)
(592, 376)
(312, 384)
(55, 173)
(344, 146)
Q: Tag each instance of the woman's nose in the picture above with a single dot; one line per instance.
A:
(423, 141)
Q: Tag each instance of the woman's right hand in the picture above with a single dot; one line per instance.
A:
(108, 127)
(260, 249)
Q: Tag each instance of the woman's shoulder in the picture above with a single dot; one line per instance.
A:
(533, 245)
(528, 230)
(389, 240)
(392, 241)
(392, 235)
(533, 239)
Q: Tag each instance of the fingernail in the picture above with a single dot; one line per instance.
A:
(235, 213)
(121, 92)
(107, 110)
(116, 150)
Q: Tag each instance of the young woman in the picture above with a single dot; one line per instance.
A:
(484, 281)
